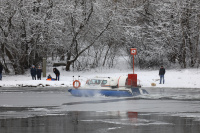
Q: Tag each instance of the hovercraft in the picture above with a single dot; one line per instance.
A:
(117, 87)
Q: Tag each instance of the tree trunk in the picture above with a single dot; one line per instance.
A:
(104, 61)
(68, 65)
(68, 61)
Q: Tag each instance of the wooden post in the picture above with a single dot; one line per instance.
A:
(44, 67)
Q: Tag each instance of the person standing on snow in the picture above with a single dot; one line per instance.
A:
(57, 73)
(33, 72)
(1, 69)
(162, 73)
(39, 72)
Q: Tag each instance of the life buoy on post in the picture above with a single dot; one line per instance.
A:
(76, 84)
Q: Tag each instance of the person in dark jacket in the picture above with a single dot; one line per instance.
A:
(1, 69)
(49, 77)
(57, 73)
(33, 72)
(39, 72)
(162, 73)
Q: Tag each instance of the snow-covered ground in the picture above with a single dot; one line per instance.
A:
(180, 78)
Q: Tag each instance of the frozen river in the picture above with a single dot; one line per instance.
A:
(50, 110)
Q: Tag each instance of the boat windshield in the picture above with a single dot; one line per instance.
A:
(95, 81)
(104, 82)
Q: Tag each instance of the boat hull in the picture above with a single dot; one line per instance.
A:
(105, 92)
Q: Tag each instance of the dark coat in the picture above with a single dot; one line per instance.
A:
(39, 72)
(33, 71)
(1, 68)
(162, 71)
(56, 71)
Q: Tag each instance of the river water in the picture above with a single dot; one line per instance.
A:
(50, 110)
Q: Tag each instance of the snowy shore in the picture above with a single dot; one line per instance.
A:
(182, 78)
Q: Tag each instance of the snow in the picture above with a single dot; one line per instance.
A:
(174, 78)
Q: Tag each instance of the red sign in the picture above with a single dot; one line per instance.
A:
(133, 51)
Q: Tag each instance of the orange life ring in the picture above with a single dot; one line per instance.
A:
(75, 84)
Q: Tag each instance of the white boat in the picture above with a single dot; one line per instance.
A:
(117, 87)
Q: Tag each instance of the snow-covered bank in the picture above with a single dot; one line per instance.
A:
(185, 78)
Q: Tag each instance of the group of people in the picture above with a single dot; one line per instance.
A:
(37, 72)
(57, 73)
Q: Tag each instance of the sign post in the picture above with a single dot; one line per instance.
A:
(132, 78)
(133, 52)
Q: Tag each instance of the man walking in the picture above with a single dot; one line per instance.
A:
(1, 69)
(162, 73)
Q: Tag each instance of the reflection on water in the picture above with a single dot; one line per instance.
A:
(101, 122)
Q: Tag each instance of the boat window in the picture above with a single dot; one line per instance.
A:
(95, 81)
(104, 82)
(98, 81)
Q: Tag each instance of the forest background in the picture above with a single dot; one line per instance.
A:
(86, 34)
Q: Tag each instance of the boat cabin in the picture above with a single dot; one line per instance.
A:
(108, 82)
